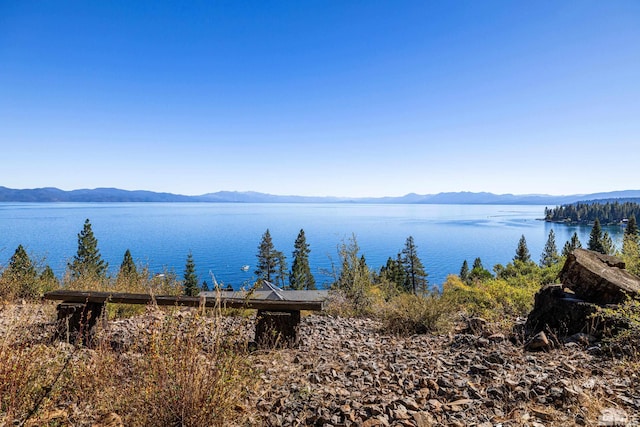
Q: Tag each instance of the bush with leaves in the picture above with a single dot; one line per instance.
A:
(354, 281)
(494, 298)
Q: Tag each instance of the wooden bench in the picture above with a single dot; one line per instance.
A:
(276, 322)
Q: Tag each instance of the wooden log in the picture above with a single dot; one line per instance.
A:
(71, 296)
(277, 329)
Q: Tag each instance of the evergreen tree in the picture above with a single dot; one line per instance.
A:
(550, 255)
(87, 261)
(632, 228)
(190, 285)
(394, 272)
(268, 259)
(607, 244)
(478, 272)
(281, 272)
(20, 265)
(48, 275)
(301, 277)
(522, 252)
(128, 270)
(596, 238)
(631, 246)
(571, 245)
(415, 275)
(21, 275)
(48, 279)
(464, 271)
(205, 286)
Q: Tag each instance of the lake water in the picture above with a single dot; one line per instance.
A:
(225, 236)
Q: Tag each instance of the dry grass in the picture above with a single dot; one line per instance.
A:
(408, 314)
(185, 371)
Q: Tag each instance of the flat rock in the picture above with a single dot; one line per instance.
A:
(598, 278)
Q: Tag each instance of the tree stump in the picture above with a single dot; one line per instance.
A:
(277, 329)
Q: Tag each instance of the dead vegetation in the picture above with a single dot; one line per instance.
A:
(192, 368)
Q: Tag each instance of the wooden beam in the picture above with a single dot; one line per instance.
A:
(71, 296)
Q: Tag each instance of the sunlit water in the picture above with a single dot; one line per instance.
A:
(225, 236)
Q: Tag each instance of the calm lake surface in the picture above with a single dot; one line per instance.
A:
(225, 236)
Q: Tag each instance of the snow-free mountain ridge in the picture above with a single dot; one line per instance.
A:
(50, 194)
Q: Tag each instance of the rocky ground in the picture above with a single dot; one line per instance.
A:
(347, 373)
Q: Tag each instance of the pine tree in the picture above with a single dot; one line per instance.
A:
(21, 275)
(550, 255)
(571, 245)
(301, 277)
(268, 258)
(596, 238)
(632, 228)
(522, 252)
(282, 274)
(87, 261)
(128, 270)
(205, 286)
(607, 244)
(416, 276)
(464, 271)
(190, 285)
(631, 246)
(394, 272)
(478, 272)
(48, 279)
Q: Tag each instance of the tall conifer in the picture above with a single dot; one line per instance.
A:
(464, 271)
(571, 245)
(301, 277)
(20, 276)
(271, 264)
(522, 252)
(632, 228)
(595, 238)
(87, 260)
(128, 270)
(415, 274)
(550, 255)
(190, 285)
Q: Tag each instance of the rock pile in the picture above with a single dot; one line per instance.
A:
(347, 373)
(589, 280)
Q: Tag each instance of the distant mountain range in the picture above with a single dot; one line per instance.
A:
(50, 194)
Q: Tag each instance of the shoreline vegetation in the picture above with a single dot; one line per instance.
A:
(586, 213)
(389, 347)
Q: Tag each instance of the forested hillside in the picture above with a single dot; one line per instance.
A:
(587, 212)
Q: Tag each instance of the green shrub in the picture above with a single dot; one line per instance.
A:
(493, 298)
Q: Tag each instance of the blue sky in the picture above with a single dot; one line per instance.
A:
(341, 98)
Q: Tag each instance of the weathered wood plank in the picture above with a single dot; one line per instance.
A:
(72, 296)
